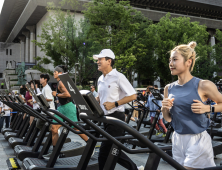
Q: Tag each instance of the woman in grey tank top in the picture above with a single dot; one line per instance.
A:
(184, 107)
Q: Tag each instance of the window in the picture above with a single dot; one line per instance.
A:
(6, 63)
(0, 75)
(6, 51)
(10, 51)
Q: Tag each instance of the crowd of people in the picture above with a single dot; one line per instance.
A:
(182, 105)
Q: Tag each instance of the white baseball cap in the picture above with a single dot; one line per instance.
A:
(104, 53)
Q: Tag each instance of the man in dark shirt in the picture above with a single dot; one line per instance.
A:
(67, 108)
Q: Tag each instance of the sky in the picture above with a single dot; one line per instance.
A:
(1, 4)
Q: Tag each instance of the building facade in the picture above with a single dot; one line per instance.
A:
(21, 22)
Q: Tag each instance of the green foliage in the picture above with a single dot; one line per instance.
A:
(124, 63)
(15, 85)
(55, 37)
(216, 58)
(111, 23)
(142, 47)
(217, 79)
(41, 61)
(139, 45)
(119, 27)
(79, 87)
(87, 87)
(64, 41)
(170, 32)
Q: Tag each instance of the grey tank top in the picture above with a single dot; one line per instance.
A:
(184, 121)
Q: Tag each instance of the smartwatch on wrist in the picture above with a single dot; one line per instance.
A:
(116, 104)
(57, 94)
(211, 108)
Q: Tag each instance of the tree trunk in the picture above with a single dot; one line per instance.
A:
(138, 79)
(80, 75)
(132, 77)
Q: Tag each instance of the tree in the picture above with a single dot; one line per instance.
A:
(64, 41)
(113, 25)
(216, 56)
(142, 46)
(170, 32)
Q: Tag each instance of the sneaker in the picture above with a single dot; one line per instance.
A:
(93, 153)
(158, 133)
(137, 121)
(140, 167)
(61, 155)
(47, 157)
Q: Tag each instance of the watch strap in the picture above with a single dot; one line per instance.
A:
(212, 109)
(116, 104)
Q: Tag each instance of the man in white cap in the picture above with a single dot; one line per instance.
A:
(114, 90)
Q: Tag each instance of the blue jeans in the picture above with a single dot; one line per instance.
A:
(7, 121)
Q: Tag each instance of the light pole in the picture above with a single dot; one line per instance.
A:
(75, 71)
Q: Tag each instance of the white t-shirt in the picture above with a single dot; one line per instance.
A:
(127, 106)
(35, 105)
(7, 112)
(1, 105)
(47, 93)
(113, 87)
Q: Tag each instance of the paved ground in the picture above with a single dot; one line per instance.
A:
(139, 159)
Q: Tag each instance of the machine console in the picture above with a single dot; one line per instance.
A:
(156, 94)
(43, 100)
(19, 99)
(35, 96)
(86, 102)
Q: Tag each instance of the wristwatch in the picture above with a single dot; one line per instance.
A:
(57, 94)
(211, 108)
(116, 104)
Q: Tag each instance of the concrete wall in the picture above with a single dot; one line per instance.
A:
(15, 47)
(39, 25)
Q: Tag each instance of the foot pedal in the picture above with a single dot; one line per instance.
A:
(12, 164)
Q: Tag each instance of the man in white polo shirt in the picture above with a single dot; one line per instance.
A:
(114, 90)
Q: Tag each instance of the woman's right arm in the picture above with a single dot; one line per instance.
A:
(166, 105)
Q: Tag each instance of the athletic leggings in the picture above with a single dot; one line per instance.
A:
(160, 122)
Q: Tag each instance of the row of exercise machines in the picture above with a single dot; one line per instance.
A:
(31, 143)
